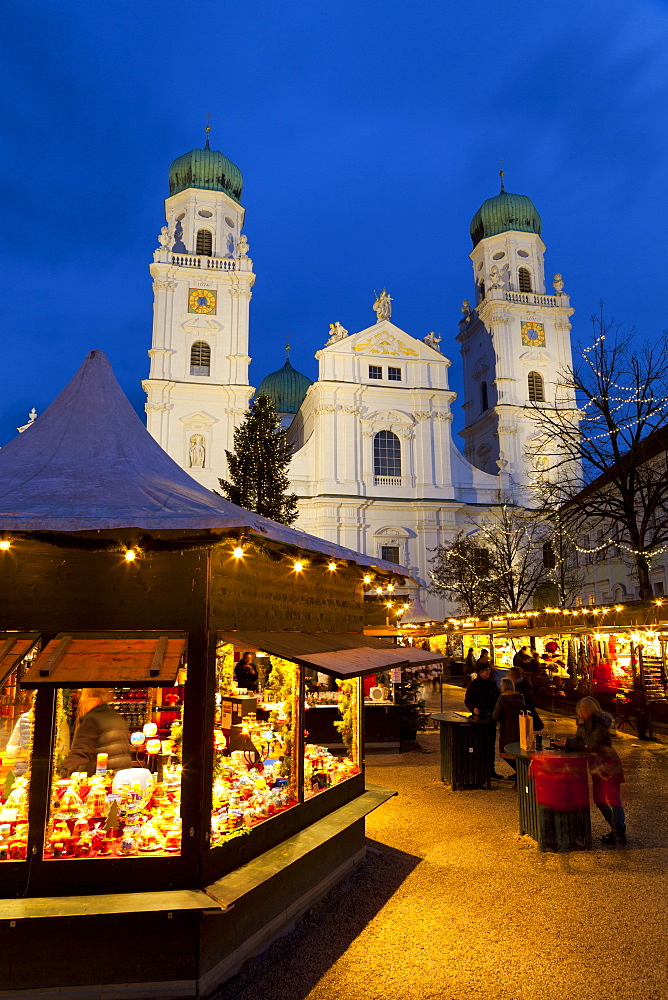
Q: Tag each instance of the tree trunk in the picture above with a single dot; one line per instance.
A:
(644, 582)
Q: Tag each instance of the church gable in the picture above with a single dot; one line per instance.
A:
(384, 340)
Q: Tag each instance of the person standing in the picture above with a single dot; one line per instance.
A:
(469, 663)
(521, 658)
(480, 699)
(524, 688)
(605, 767)
(507, 712)
(245, 673)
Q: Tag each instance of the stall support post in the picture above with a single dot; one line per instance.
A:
(361, 736)
(301, 673)
(194, 792)
(40, 776)
(207, 743)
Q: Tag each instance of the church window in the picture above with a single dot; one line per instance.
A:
(394, 374)
(536, 388)
(390, 553)
(549, 560)
(375, 371)
(524, 279)
(481, 562)
(387, 459)
(484, 401)
(481, 291)
(204, 242)
(200, 358)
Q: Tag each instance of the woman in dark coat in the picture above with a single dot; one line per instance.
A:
(100, 729)
(507, 712)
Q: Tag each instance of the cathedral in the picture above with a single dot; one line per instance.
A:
(375, 466)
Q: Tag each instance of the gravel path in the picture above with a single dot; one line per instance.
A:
(451, 904)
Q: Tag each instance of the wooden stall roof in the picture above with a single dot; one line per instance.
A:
(14, 646)
(78, 659)
(341, 654)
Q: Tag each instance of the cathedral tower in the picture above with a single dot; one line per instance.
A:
(197, 390)
(515, 340)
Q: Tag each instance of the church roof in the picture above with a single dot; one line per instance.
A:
(504, 213)
(206, 169)
(286, 388)
(88, 463)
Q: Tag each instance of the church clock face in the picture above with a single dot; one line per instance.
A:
(201, 300)
(533, 334)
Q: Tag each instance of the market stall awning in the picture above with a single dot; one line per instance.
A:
(339, 654)
(14, 646)
(413, 655)
(78, 659)
(89, 463)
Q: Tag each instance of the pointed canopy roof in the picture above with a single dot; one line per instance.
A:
(89, 463)
(415, 613)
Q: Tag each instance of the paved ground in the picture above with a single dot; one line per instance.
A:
(451, 904)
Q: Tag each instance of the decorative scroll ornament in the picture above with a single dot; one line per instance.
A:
(386, 344)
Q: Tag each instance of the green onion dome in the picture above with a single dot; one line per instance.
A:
(504, 213)
(286, 388)
(206, 169)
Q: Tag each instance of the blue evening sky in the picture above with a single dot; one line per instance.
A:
(368, 133)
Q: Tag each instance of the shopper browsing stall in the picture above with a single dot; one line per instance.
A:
(100, 729)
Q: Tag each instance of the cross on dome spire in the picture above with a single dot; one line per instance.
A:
(501, 174)
(207, 129)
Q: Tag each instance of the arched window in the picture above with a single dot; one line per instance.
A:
(484, 402)
(200, 358)
(387, 459)
(204, 242)
(524, 279)
(536, 388)
(481, 291)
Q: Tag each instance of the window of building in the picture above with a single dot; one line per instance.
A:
(578, 602)
(659, 588)
(387, 459)
(394, 374)
(524, 279)
(481, 561)
(549, 560)
(484, 402)
(481, 291)
(536, 388)
(591, 600)
(375, 371)
(204, 242)
(200, 358)
(390, 553)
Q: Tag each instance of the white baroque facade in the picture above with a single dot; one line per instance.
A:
(375, 466)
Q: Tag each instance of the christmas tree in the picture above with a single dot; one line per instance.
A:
(258, 466)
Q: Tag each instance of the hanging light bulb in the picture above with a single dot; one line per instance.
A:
(332, 567)
(379, 590)
(367, 578)
(130, 555)
(390, 587)
(5, 545)
(298, 566)
(238, 552)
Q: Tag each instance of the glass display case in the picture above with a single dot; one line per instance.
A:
(17, 719)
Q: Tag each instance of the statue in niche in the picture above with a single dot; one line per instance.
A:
(230, 245)
(242, 246)
(496, 278)
(197, 453)
(432, 340)
(383, 305)
(164, 238)
(179, 245)
(336, 333)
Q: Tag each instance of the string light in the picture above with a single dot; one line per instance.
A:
(5, 545)
(298, 566)
(367, 578)
(379, 590)
(332, 567)
(238, 552)
(390, 587)
(130, 555)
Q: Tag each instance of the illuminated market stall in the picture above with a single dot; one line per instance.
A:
(127, 591)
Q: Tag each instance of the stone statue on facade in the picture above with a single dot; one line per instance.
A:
(197, 453)
(495, 277)
(383, 305)
(432, 340)
(466, 307)
(243, 247)
(336, 333)
(164, 238)
(558, 283)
